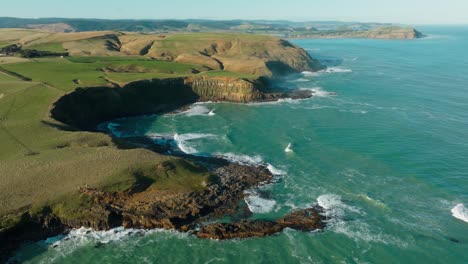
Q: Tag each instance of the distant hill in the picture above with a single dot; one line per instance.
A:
(281, 28)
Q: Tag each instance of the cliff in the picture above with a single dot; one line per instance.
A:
(388, 32)
(85, 108)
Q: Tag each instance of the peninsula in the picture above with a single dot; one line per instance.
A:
(58, 171)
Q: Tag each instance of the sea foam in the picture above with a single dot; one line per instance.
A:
(198, 110)
(241, 158)
(336, 210)
(258, 204)
(182, 141)
(328, 70)
(319, 92)
(460, 211)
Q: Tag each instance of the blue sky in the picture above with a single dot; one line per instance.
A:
(397, 11)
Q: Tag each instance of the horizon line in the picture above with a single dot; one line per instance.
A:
(239, 19)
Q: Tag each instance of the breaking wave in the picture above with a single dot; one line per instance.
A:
(76, 238)
(198, 110)
(459, 211)
(241, 158)
(183, 140)
(319, 92)
(258, 204)
(328, 70)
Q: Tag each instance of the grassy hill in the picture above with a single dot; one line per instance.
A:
(244, 53)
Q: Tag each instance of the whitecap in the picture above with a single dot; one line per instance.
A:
(257, 204)
(336, 70)
(198, 110)
(288, 149)
(275, 171)
(183, 140)
(301, 80)
(78, 237)
(309, 73)
(459, 211)
(319, 92)
(333, 205)
(328, 70)
(241, 158)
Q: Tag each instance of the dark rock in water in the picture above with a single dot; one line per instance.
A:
(300, 94)
(308, 219)
(242, 229)
(454, 240)
(304, 220)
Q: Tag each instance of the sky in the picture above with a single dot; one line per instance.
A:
(394, 11)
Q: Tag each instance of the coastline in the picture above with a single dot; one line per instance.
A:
(143, 207)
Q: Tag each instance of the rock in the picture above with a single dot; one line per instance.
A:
(305, 220)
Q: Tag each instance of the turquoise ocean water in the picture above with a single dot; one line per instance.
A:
(387, 156)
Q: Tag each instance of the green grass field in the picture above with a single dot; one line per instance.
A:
(68, 73)
(52, 47)
(41, 165)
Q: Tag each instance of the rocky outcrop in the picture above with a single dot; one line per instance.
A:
(143, 207)
(308, 219)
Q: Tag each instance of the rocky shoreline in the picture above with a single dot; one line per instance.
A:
(144, 207)
(194, 212)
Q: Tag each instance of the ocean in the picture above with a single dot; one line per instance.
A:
(383, 147)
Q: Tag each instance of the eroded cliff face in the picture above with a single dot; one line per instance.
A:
(85, 108)
(231, 89)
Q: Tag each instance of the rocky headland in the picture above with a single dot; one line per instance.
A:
(388, 32)
(179, 191)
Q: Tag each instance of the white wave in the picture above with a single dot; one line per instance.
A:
(460, 212)
(319, 92)
(337, 70)
(309, 73)
(288, 149)
(258, 204)
(301, 80)
(328, 70)
(241, 158)
(199, 110)
(275, 171)
(183, 140)
(76, 238)
(279, 101)
(333, 205)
